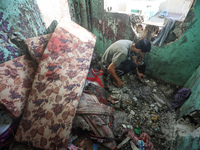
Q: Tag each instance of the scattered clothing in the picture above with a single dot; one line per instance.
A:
(136, 140)
(181, 96)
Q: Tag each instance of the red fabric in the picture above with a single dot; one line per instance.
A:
(96, 76)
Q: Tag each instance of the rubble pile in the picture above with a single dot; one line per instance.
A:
(144, 107)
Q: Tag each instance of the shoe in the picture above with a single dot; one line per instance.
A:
(141, 145)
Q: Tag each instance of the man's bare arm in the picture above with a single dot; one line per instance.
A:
(140, 75)
(111, 70)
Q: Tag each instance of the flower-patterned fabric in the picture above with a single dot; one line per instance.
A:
(37, 45)
(16, 77)
(57, 87)
(87, 105)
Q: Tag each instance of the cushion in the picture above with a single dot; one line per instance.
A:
(57, 87)
(16, 77)
(37, 45)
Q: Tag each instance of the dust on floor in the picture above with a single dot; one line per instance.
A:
(145, 108)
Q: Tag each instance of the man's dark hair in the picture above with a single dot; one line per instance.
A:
(144, 45)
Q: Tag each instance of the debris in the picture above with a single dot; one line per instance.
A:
(82, 142)
(95, 146)
(154, 91)
(132, 112)
(130, 126)
(123, 142)
(137, 131)
(135, 99)
(154, 118)
(157, 99)
(73, 147)
(141, 145)
(133, 146)
(123, 125)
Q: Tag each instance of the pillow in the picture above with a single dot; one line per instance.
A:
(16, 77)
(57, 87)
(37, 45)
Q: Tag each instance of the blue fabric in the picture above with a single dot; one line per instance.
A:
(95, 146)
(141, 145)
(181, 96)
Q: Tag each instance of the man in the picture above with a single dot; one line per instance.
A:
(116, 58)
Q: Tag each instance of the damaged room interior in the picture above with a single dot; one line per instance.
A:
(99, 75)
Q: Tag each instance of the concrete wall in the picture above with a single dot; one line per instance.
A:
(176, 6)
(177, 61)
(22, 19)
(107, 26)
(193, 103)
(174, 63)
(187, 143)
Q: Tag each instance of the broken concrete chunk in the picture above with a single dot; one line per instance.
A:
(132, 112)
(123, 125)
(177, 32)
(156, 108)
(133, 146)
(123, 142)
(135, 98)
(157, 99)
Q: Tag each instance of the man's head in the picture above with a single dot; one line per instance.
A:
(143, 46)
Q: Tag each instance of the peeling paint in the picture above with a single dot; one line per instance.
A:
(183, 55)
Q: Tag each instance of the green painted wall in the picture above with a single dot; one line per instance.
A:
(108, 27)
(19, 19)
(187, 143)
(174, 63)
(193, 102)
(177, 61)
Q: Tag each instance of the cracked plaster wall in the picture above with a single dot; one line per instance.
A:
(22, 19)
(187, 143)
(19, 19)
(174, 62)
(193, 102)
(108, 27)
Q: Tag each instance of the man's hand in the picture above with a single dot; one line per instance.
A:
(115, 79)
(118, 84)
(140, 75)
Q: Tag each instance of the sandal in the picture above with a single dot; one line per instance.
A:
(141, 145)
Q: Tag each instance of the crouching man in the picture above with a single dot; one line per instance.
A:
(120, 58)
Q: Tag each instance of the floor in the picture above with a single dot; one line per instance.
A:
(144, 107)
(141, 108)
